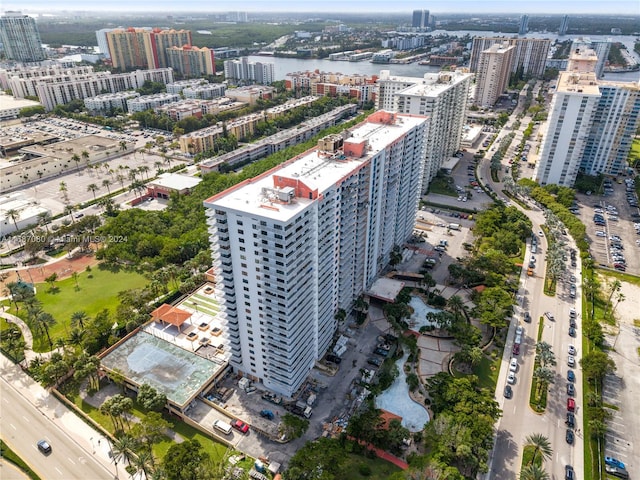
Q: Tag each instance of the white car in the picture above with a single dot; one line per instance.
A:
(600, 233)
(513, 365)
(519, 330)
(572, 350)
(571, 361)
(511, 378)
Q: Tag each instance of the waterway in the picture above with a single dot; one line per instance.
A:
(290, 65)
(396, 399)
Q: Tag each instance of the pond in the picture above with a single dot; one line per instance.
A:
(396, 400)
(420, 310)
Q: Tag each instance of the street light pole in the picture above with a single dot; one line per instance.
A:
(115, 460)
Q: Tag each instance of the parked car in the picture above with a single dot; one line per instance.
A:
(572, 350)
(374, 361)
(240, 426)
(572, 332)
(516, 349)
(508, 391)
(527, 317)
(549, 316)
(569, 436)
(513, 365)
(569, 474)
(44, 447)
(381, 352)
(334, 358)
(613, 462)
(571, 389)
(572, 323)
(511, 378)
(268, 414)
(617, 472)
(571, 361)
(571, 420)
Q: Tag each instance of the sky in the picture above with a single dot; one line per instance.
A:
(448, 6)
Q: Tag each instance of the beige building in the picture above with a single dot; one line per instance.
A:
(530, 55)
(191, 61)
(494, 69)
(140, 48)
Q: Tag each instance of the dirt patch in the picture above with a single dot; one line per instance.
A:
(64, 267)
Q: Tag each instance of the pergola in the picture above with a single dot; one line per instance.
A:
(171, 315)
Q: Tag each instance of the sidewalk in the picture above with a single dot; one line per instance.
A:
(82, 434)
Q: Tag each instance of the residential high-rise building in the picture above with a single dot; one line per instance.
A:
(244, 71)
(530, 56)
(564, 25)
(492, 78)
(192, 61)
(298, 243)
(420, 19)
(570, 120)
(21, 38)
(524, 25)
(143, 48)
(600, 48)
(103, 44)
(615, 122)
(442, 98)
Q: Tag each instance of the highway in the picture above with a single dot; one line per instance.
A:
(28, 414)
(519, 420)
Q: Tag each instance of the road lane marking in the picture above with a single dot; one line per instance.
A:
(58, 470)
(26, 419)
(71, 460)
(13, 426)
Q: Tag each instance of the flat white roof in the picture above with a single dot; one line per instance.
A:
(386, 289)
(315, 171)
(175, 181)
(7, 102)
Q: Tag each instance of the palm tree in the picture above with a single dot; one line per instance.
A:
(13, 214)
(123, 447)
(144, 169)
(123, 145)
(456, 305)
(93, 188)
(78, 319)
(533, 472)
(76, 158)
(107, 183)
(121, 178)
(43, 219)
(158, 165)
(545, 354)
(85, 157)
(541, 446)
(45, 320)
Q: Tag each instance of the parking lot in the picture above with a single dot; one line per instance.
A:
(613, 226)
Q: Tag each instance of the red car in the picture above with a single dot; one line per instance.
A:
(241, 426)
(516, 349)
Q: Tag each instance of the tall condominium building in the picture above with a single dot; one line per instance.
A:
(296, 244)
(615, 122)
(564, 25)
(600, 48)
(244, 71)
(530, 56)
(492, 78)
(21, 38)
(420, 19)
(524, 25)
(192, 61)
(103, 44)
(570, 120)
(142, 48)
(443, 98)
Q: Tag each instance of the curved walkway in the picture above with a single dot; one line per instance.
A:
(29, 354)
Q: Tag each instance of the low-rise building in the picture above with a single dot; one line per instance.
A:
(149, 102)
(206, 91)
(251, 93)
(110, 101)
(10, 107)
(18, 212)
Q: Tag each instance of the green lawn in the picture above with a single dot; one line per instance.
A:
(443, 185)
(360, 467)
(486, 371)
(97, 290)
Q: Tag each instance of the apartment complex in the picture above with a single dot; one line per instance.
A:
(61, 88)
(332, 84)
(106, 102)
(23, 80)
(600, 48)
(568, 126)
(191, 61)
(20, 38)
(564, 25)
(205, 92)
(142, 48)
(591, 125)
(197, 107)
(296, 244)
(149, 102)
(420, 19)
(494, 69)
(243, 71)
(443, 98)
(524, 25)
(530, 56)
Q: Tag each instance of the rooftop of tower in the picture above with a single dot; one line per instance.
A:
(284, 191)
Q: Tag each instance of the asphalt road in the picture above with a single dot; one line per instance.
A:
(25, 420)
(519, 420)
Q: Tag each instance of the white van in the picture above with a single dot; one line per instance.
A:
(224, 427)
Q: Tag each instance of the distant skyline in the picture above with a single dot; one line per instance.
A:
(576, 7)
